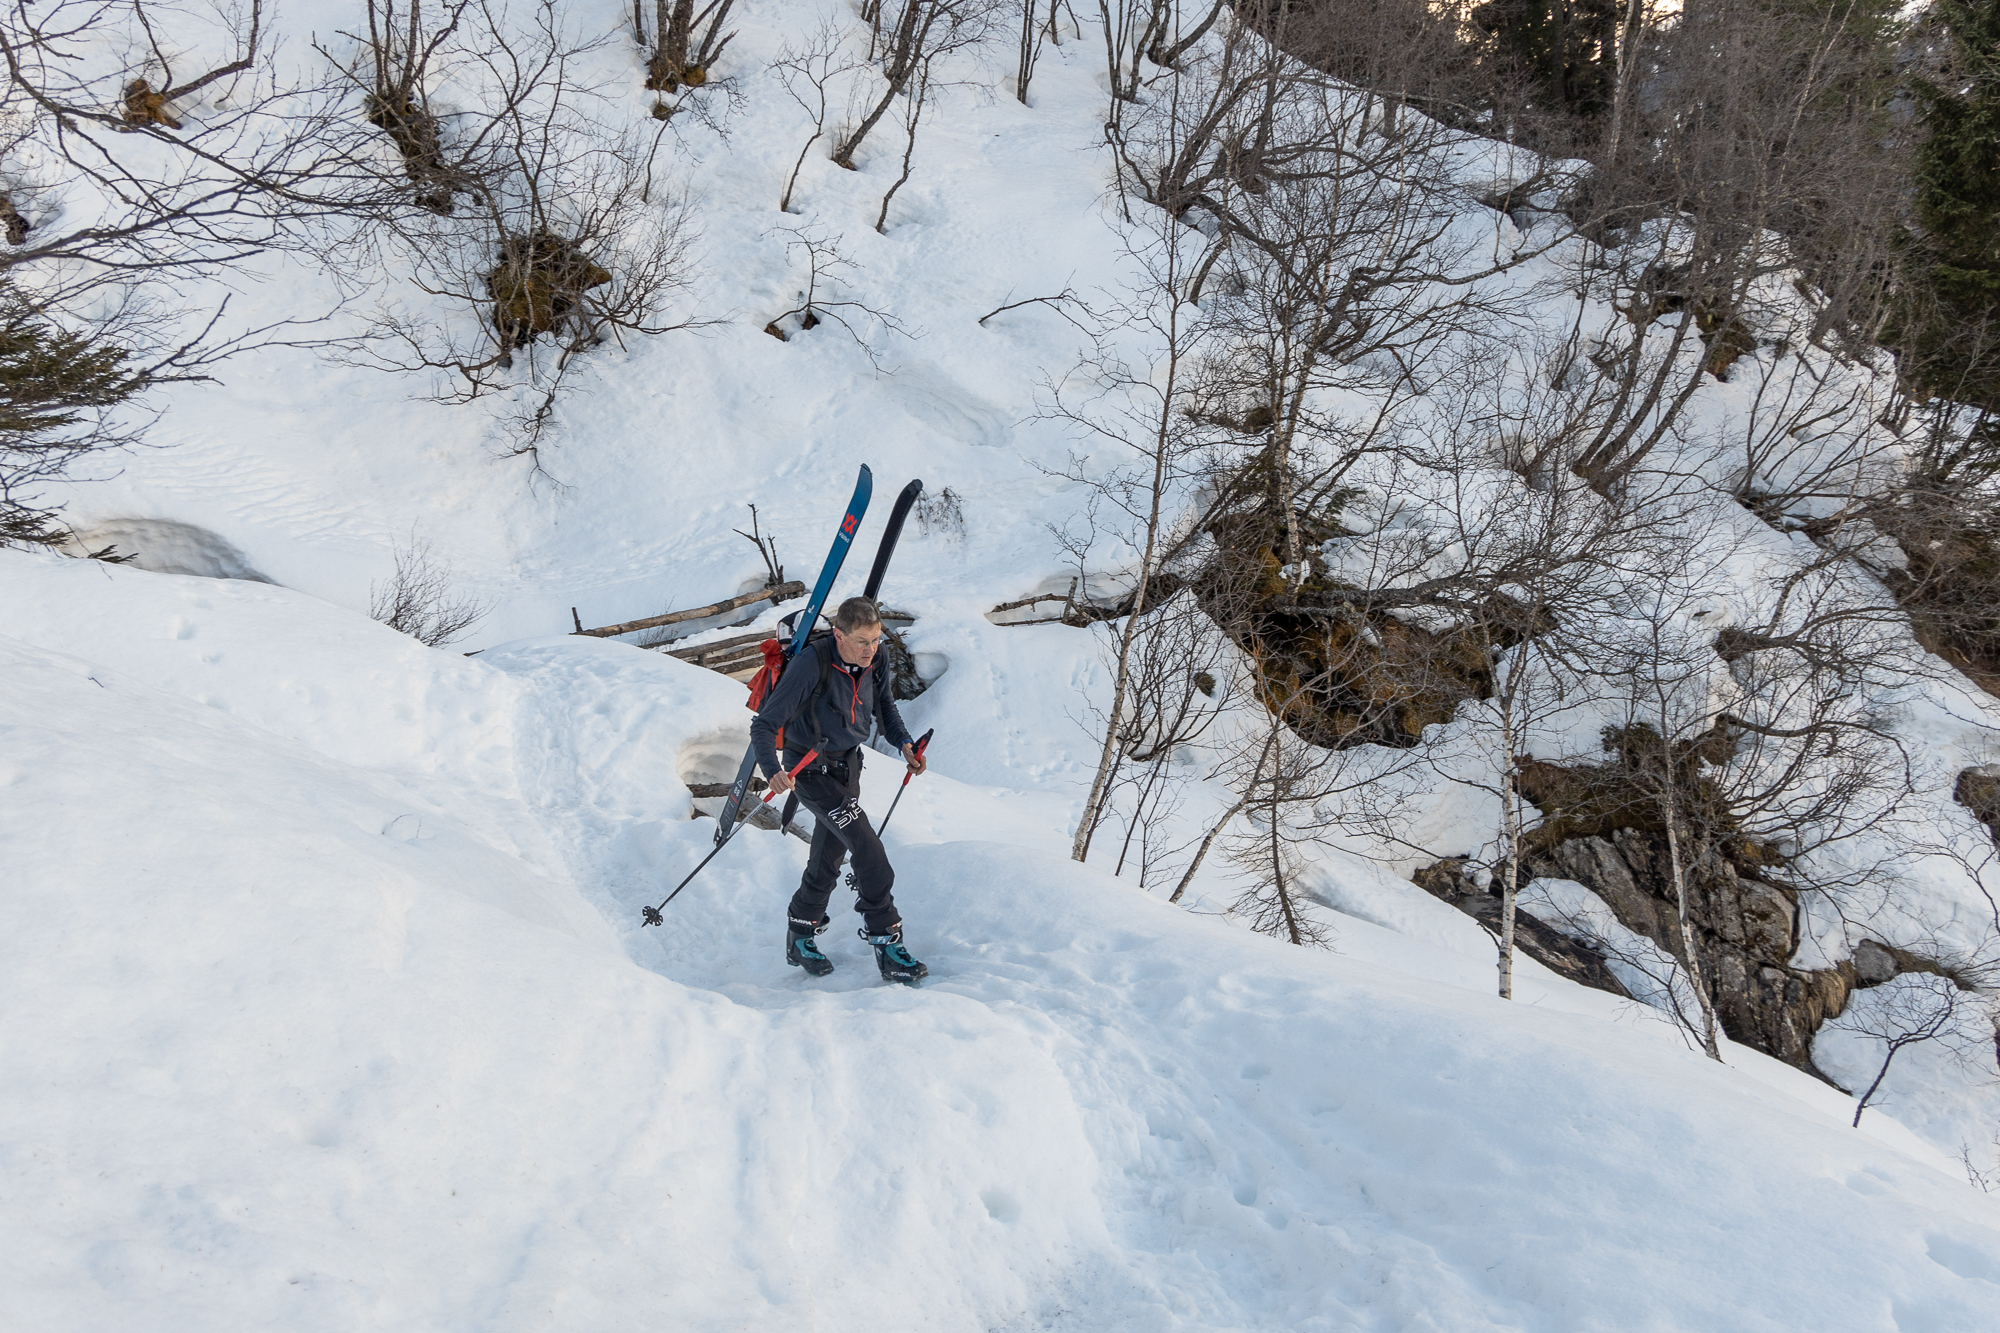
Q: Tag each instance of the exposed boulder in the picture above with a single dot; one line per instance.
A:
(1777, 1009)
(1447, 880)
(165, 546)
(1874, 964)
(1603, 826)
(1978, 790)
(1744, 930)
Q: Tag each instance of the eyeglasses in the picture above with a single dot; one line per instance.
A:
(860, 642)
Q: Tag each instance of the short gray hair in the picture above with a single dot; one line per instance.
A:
(856, 612)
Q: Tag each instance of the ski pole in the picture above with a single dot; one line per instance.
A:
(651, 916)
(923, 742)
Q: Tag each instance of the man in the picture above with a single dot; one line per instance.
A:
(829, 699)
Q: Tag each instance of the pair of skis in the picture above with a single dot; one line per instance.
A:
(728, 820)
(732, 805)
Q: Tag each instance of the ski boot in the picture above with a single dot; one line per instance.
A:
(893, 958)
(801, 950)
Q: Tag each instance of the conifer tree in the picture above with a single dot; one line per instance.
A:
(1565, 49)
(56, 387)
(1952, 338)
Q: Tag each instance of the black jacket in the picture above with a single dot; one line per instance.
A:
(840, 717)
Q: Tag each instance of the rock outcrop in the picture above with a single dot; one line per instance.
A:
(1744, 932)
(1565, 957)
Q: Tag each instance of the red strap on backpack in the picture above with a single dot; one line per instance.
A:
(766, 679)
(767, 675)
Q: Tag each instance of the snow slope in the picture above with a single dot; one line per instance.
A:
(328, 1006)
(312, 470)
(312, 1028)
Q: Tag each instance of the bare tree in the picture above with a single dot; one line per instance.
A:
(942, 512)
(167, 142)
(828, 274)
(806, 73)
(402, 45)
(1719, 187)
(1297, 799)
(1532, 685)
(1139, 413)
(1458, 591)
(767, 550)
(913, 111)
(1273, 903)
(1333, 268)
(146, 151)
(1812, 435)
(684, 50)
(1760, 756)
(1301, 268)
(418, 599)
(922, 31)
(1180, 680)
(1033, 29)
(1157, 31)
(562, 237)
(1954, 1008)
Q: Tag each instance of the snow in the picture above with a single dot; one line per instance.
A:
(328, 1002)
(309, 1028)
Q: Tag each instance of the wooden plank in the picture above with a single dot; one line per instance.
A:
(783, 592)
(731, 662)
(745, 645)
(721, 647)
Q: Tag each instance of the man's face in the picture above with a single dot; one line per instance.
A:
(858, 648)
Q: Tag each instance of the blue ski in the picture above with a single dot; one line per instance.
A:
(732, 805)
(885, 549)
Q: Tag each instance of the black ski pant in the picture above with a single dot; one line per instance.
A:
(840, 829)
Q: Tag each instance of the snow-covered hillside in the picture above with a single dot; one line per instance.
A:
(328, 1006)
(328, 1003)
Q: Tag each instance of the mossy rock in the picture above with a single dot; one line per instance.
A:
(537, 283)
(143, 106)
(1727, 338)
(664, 76)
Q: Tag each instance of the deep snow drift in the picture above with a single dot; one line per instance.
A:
(327, 1000)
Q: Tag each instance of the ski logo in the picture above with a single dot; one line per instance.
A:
(847, 526)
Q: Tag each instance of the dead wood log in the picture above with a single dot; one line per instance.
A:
(742, 645)
(703, 790)
(783, 592)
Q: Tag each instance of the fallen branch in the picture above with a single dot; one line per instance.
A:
(1030, 601)
(783, 592)
(1055, 301)
(1086, 612)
